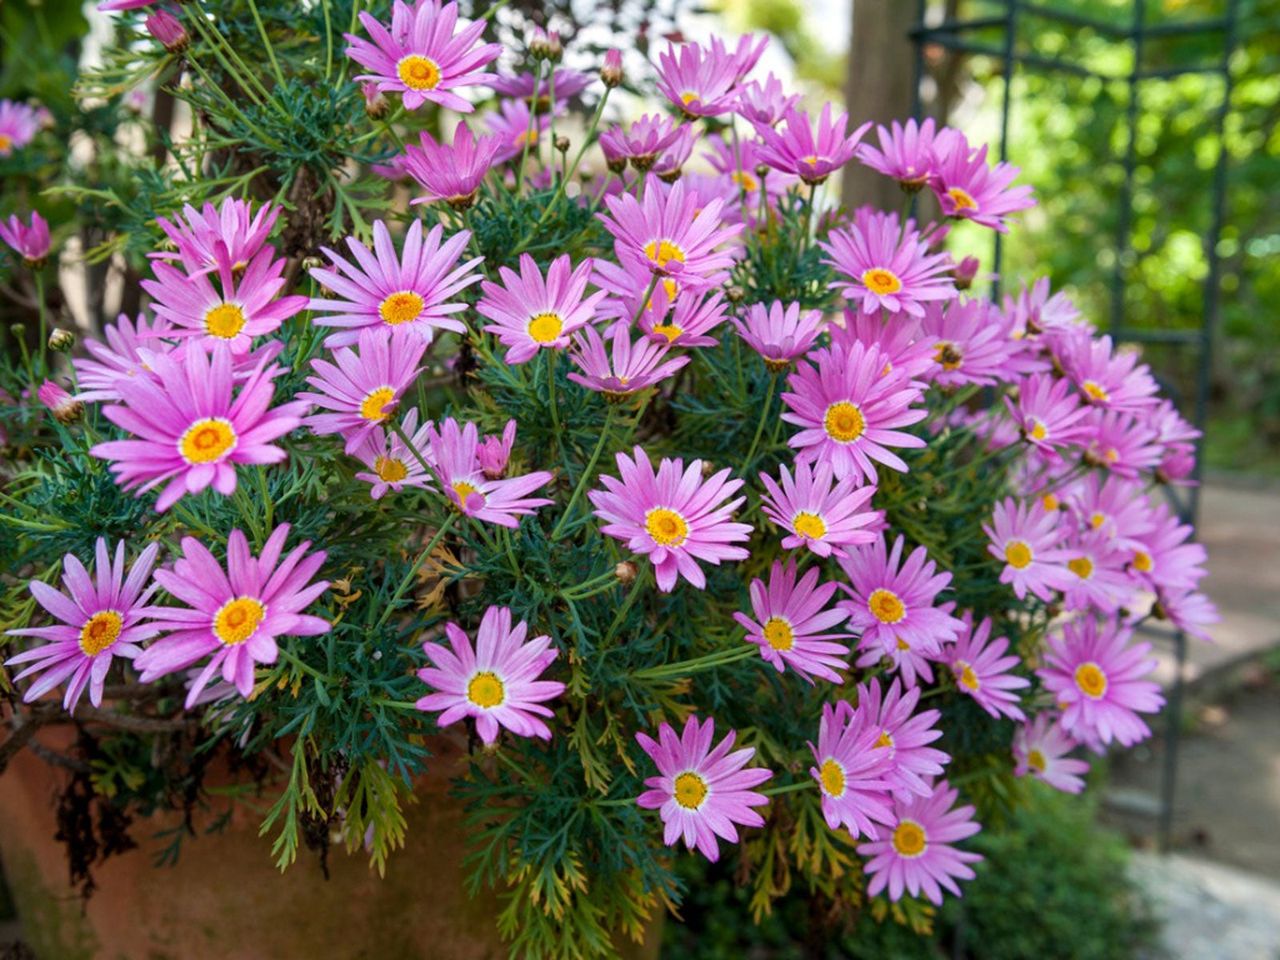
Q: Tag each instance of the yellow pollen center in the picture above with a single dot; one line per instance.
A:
(100, 632)
(884, 740)
(881, 282)
(666, 527)
(1142, 561)
(844, 422)
(833, 779)
(418, 72)
(378, 404)
(224, 321)
(909, 839)
(962, 199)
(669, 330)
(1038, 430)
(6, 143)
(1017, 554)
(691, 790)
(886, 606)
(1095, 391)
(463, 490)
(965, 676)
(663, 252)
(390, 469)
(948, 356)
(1035, 760)
(811, 159)
(1091, 680)
(545, 327)
(485, 690)
(401, 307)
(238, 619)
(779, 635)
(207, 440)
(1050, 502)
(1097, 520)
(902, 645)
(1082, 567)
(745, 180)
(810, 526)
(689, 97)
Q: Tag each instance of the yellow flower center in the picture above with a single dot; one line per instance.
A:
(690, 790)
(1037, 431)
(418, 72)
(1018, 554)
(745, 180)
(832, 778)
(1082, 567)
(463, 490)
(965, 675)
(844, 422)
(666, 527)
(884, 740)
(811, 159)
(669, 330)
(909, 839)
(236, 620)
(224, 321)
(962, 199)
(401, 307)
(948, 355)
(1050, 502)
(1091, 680)
(886, 606)
(207, 440)
(485, 689)
(390, 469)
(100, 632)
(689, 97)
(664, 251)
(378, 404)
(6, 143)
(1035, 760)
(1095, 391)
(881, 281)
(1142, 561)
(902, 645)
(545, 327)
(809, 525)
(779, 635)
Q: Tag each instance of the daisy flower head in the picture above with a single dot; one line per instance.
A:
(849, 404)
(516, 128)
(1097, 578)
(642, 142)
(234, 616)
(1028, 539)
(451, 172)
(903, 348)
(741, 164)
(1097, 677)
(968, 189)
(31, 241)
(19, 124)
(203, 238)
(906, 153)
(565, 82)
(496, 683)
(1047, 412)
(887, 268)
(104, 616)
(1177, 440)
(1040, 748)
(1119, 442)
(779, 332)
(969, 346)
(701, 791)
(673, 515)
(792, 624)
(983, 672)
(424, 55)
(690, 324)
(919, 855)
(902, 734)
(1189, 611)
(1108, 378)
(358, 392)
(529, 313)
(808, 154)
(408, 294)
(455, 457)
(1115, 508)
(192, 427)
(1164, 556)
(817, 511)
(764, 103)
(744, 56)
(849, 771)
(669, 167)
(391, 463)
(623, 368)
(698, 82)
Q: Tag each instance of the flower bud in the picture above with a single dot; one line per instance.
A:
(494, 452)
(611, 69)
(61, 340)
(540, 44)
(626, 572)
(65, 408)
(312, 262)
(375, 104)
(964, 272)
(165, 27)
(735, 294)
(561, 143)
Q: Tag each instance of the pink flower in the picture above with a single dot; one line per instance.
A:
(496, 684)
(391, 462)
(611, 74)
(104, 617)
(907, 153)
(969, 346)
(642, 142)
(791, 620)
(1098, 578)
(625, 368)
(691, 322)
(228, 232)
(811, 156)
(451, 172)
(530, 314)
(779, 333)
(1107, 379)
(919, 855)
(362, 390)
(494, 452)
(1040, 748)
(513, 126)
(903, 735)
(1028, 539)
(982, 671)
(1096, 676)
(850, 771)
(1119, 442)
(744, 56)
(237, 614)
(19, 125)
(1163, 558)
(697, 81)
(670, 163)
(125, 356)
(764, 103)
(190, 430)
(167, 30)
(702, 792)
(567, 83)
(1047, 414)
(421, 56)
(968, 189)
(64, 407)
(903, 348)
(32, 242)
(819, 512)
(1116, 509)
(673, 516)
(455, 456)
(888, 268)
(1189, 611)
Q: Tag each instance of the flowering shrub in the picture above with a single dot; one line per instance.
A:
(705, 516)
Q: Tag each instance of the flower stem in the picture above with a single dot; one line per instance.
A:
(764, 415)
(533, 124)
(586, 473)
(399, 432)
(44, 324)
(266, 42)
(788, 788)
(413, 571)
(686, 667)
(644, 301)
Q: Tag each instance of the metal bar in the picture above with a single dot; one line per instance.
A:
(1168, 73)
(1006, 104)
(956, 26)
(1042, 12)
(1024, 59)
(1125, 214)
(1139, 335)
(1173, 729)
(1190, 27)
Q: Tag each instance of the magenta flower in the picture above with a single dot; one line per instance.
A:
(513, 126)
(670, 163)
(968, 189)
(168, 30)
(422, 57)
(451, 172)
(1040, 748)
(888, 268)
(408, 293)
(810, 156)
(907, 153)
(691, 322)
(674, 516)
(1189, 611)
(850, 772)
(1119, 442)
(779, 333)
(568, 83)
(455, 456)
(19, 124)
(739, 163)
(191, 431)
(919, 854)
(791, 624)
(1114, 380)
(496, 683)
(698, 82)
(1048, 415)
(1115, 508)
(626, 367)
(903, 734)
(234, 616)
(235, 310)
(1028, 539)
(32, 242)
(764, 103)
(744, 56)
(109, 6)
(1096, 676)
(123, 357)
(530, 314)
(494, 452)
(819, 512)
(969, 346)
(849, 405)
(1097, 574)
(642, 142)
(1163, 557)
(64, 407)
(391, 462)
(104, 617)
(982, 671)
(702, 792)
(898, 338)
(230, 232)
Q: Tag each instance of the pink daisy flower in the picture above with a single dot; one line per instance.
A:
(968, 189)
(697, 81)
(1096, 676)
(903, 734)
(791, 624)
(888, 268)
(1188, 610)
(1028, 539)
(234, 310)
(625, 367)
(1177, 440)
(361, 390)
(848, 405)
(982, 671)
(898, 338)
(1113, 507)
(740, 164)
(234, 616)
(565, 82)
(642, 142)
(451, 172)
(228, 232)
(1163, 558)
(1098, 579)
(1113, 380)
(779, 332)
(673, 516)
(969, 346)
(496, 683)
(123, 357)
(1040, 748)
(919, 855)
(19, 125)
(513, 126)
(32, 242)
(810, 156)
(817, 511)
(764, 103)
(104, 617)
(422, 57)
(850, 772)
(391, 463)
(744, 56)
(688, 325)
(530, 314)
(702, 792)
(191, 430)
(1119, 442)
(907, 152)
(670, 163)
(408, 294)
(455, 456)
(1047, 414)
(64, 407)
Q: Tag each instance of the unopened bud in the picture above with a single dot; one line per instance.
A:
(166, 28)
(611, 69)
(626, 572)
(561, 144)
(540, 44)
(61, 340)
(965, 271)
(555, 49)
(735, 294)
(312, 262)
(65, 408)
(375, 104)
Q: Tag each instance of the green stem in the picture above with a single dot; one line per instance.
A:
(413, 571)
(266, 42)
(586, 473)
(789, 788)
(621, 615)
(533, 123)
(44, 323)
(305, 668)
(551, 393)
(328, 42)
(764, 415)
(399, 432)
(644, 301)
(686, 667)
(808, 212)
